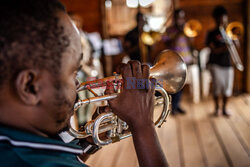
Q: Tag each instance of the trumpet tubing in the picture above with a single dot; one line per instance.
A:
(116, 128)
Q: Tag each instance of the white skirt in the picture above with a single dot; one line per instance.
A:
(223, 79)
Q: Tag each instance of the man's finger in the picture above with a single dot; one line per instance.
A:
(126, 75)
(119, 67)
(145, 71)
(152, 85)
(136, 68)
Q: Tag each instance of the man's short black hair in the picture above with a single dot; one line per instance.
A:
(219, 11)
(30, 37)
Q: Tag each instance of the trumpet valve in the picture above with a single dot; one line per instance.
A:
(89, 127)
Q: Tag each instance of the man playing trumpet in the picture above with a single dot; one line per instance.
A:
(39, 54)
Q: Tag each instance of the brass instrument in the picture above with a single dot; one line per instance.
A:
(170, 72)
(233, 31)
(192, 28)
(150, 38)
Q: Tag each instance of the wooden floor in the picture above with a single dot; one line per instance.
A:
(196, 139)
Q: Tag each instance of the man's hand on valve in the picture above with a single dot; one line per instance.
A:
(135, 103)
(135, 106)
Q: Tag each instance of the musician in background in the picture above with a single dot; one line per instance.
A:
(132, 39)
(40, 53)
(91, 65)
(88, 71)
(176, 40)
(219, 62)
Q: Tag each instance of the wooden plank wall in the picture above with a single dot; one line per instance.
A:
(89, 10)
(247, 86)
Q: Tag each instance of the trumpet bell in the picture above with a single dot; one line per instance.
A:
(170, 71)
(192, 28)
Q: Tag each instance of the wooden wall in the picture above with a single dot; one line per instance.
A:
(247, 50)
(89, 10)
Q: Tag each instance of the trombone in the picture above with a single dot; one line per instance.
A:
(170, 72)
(233, 31)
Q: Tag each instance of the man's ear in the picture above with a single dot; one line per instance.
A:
(27, 86)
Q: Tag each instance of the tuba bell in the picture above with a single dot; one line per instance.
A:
(170, 72)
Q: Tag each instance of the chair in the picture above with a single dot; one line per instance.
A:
(193, 79)
(206, 78)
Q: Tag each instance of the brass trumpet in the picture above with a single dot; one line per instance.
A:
(170, 72)
(233, 31)
(192, 28)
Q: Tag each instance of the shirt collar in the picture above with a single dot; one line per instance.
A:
(18, 138)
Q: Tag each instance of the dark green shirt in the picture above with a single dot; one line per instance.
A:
(18, 148)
